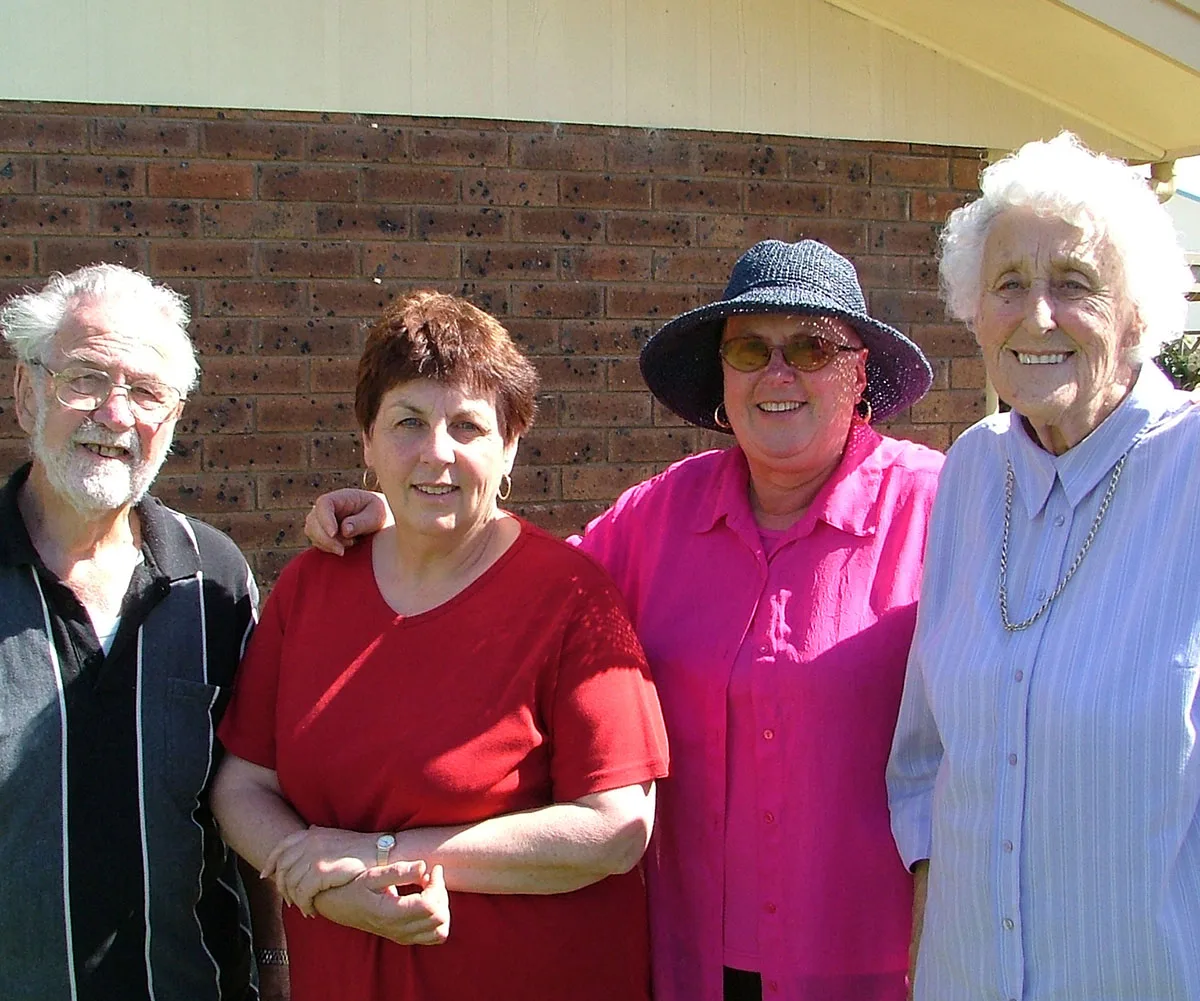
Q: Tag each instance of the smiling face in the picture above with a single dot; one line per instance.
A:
(1056, 329)
(786, 421)
(106, 459)
(439, 456)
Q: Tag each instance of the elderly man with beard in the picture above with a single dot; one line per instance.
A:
(121, 626)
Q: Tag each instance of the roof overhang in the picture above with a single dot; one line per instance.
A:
(1129, 68)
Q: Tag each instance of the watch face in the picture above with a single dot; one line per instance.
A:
(383, 848)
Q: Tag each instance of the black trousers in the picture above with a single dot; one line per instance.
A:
(740, 985)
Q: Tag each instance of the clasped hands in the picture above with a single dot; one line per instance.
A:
(333, 873)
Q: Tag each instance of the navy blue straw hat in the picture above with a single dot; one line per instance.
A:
(681, 365)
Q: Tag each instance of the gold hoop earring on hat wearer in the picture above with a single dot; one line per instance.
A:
(720, 416)
(505, 487)
(863, 409)
(368, 475)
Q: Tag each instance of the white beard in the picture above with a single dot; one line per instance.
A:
(91, 483)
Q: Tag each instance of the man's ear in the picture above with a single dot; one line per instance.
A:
(25, 396)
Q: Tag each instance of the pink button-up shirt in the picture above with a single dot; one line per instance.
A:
(829, 615)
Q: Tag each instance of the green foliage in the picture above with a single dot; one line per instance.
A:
(1181, 361)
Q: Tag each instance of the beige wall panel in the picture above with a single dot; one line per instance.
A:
(799, 67)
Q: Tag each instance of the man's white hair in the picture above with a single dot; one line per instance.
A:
(30, 321)
(1063, 179)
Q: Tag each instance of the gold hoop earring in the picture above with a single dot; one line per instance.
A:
(505, 487)
(858, 409)
(368, 475)
(721, 416)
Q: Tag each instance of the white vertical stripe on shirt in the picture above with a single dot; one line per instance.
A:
(65, 853)
(141, 784)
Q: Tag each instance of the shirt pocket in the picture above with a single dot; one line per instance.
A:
(187, 741)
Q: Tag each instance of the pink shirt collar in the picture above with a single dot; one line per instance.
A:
(845, 502)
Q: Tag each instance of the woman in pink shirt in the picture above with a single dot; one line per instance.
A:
(773, 585)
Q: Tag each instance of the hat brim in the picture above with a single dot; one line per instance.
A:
(682, 367)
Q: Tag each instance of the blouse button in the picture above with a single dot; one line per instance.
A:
(1059, 521)
(1018, 675)
(1012, 759)
(769, 817)
(768, 734)
(1008, 924)
(1008, 846)
(770, 908)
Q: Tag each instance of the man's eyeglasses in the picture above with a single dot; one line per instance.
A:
(88, 389)
(806, 352)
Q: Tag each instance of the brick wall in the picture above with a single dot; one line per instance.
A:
(287, 231)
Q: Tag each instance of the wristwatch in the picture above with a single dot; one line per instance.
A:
(383, 848)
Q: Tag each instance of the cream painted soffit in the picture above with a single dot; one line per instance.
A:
(1130, 68)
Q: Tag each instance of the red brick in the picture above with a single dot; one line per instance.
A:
(490, 297)
(560, 518)
(604, 191)
(222, 336)
(557, 225)
(256, 220)
(658, 300)
(66, 255)
(217, 415)
(822, 165)
(461, 224)
(184, 457)
(144, 137)
(201, 180)
(460, 148)
(204, 258)
(651, 152)
(308, 183)
(625, 376)
(16, 175)
(78, 175)
(602, 482)
(260, 451)
(335, 451)
(605, 337)
(334, 375)
(934, 206)
(509, 187)
(848, 238)
(146, 217)
(967, 373)
(361, 141)
(611, 264)
(936, 436)
(662, 417)
(43, 133)
(941, 373)
(254, 298)
(534, 483)
(904, 238)
(787, 197)
(360, 297)
(364, 222)
(410, 185)
(16, 258)
(653, 228)
(302, 259)
(297, 490)
(869, 203)
(946, 405)
(740, 159)
(740, 231)
(313, 336)
(570, 373)
(944, 340)
(557, 152)
(708, 193)
(410, 260)
(964, 173)
(326, 412)
(533, 336)
(651, 444)
(605, 409)
(561, 446)
(246, 374)
(252, 140)
(262, 529)
(26, 214)
(558, 299)
(905, 306)
(882, 272)
(918, 171)
(509, 262)
(699, 265)
(206, 493)
(924, 272)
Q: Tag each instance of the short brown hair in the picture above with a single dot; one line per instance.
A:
(432, 335)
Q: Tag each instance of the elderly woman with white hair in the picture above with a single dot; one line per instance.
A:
(1045, 776)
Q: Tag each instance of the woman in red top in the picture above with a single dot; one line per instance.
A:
(450, 737)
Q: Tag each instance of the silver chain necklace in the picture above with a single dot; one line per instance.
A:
(1009, 479)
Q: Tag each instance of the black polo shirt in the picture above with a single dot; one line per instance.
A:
(115, 882)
